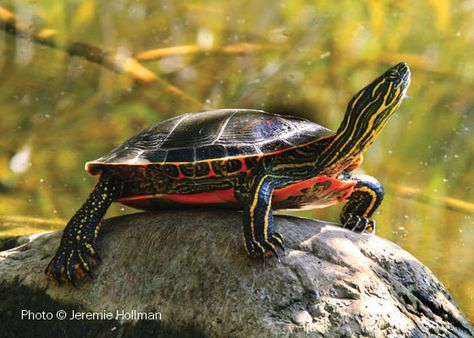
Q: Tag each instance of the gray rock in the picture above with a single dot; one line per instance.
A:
(190, 267)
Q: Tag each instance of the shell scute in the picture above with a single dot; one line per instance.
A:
(212, 135)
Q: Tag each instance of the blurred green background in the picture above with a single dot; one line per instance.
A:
(294, 57)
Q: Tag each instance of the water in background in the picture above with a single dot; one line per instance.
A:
(293, 57)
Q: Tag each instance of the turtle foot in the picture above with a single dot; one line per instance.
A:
(72, 262)
(267, 247)
(359, 223)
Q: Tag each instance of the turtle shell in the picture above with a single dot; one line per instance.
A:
(209, 135)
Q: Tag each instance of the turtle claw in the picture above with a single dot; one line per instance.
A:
(269, 246)
(93, 252)
(374, 226)
(58, 270)
(277, 239)
(72, 279)
(274, 251)
(71, 263)
(358, 223)
(358, 219)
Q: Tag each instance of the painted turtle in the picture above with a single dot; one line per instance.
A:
(247, 159)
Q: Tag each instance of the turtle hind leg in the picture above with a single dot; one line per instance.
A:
(72, 260)
(362, 203)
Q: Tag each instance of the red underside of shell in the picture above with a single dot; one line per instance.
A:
(336, 191)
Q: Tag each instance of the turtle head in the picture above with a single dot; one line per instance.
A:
(369, 109)
(366, 115)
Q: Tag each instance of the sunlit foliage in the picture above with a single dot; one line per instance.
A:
(295, 57)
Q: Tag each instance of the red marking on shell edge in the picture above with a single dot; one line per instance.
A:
(227, 196)
(181, 175)
(296, 189)
(347, 194)
(211, 170)
(244, 165)
(214, 197)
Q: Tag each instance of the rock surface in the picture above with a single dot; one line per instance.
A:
(190, 267)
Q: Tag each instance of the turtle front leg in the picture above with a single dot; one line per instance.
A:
(362, 203)
(259, 237)
(73, 258)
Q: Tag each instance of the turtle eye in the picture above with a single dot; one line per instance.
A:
(394, 73)
(398, 74)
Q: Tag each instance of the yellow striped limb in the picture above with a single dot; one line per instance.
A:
(257, 228)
